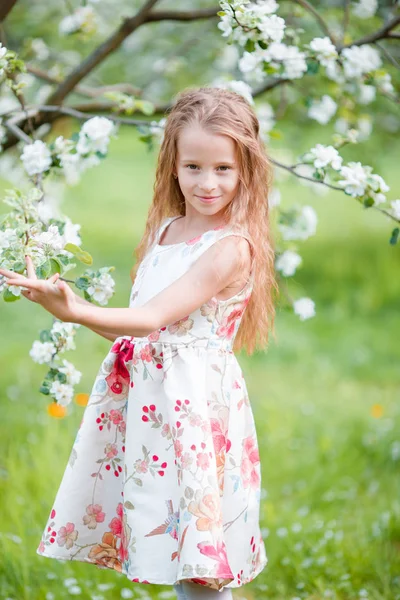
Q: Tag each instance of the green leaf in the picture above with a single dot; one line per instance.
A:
(250, 46)
(43, 270)
(80, 254)
(8, 296)
(44, 390)
(55, 266)
(82, 283)
(312, 66)
(45, 336)
(394, 237)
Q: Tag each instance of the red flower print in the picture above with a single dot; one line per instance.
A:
(116, 523)
(94, 515)
(119, 377)
(249, 464)
(154, 336)
(67, 536)
(228, 324)
(52, 514)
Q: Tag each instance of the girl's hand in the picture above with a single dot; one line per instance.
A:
(54, 295)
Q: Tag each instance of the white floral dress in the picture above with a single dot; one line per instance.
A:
(163, 481)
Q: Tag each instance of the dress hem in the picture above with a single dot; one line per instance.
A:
(232, 584)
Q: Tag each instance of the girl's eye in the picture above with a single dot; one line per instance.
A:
(195, 166)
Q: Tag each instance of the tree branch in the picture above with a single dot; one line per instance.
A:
(322, 23)
(383, 32)
(6, 7)
(128, 26)
(269, 85)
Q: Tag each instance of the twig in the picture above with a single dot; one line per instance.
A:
(381, 34)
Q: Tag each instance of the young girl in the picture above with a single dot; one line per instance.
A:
(163, 481)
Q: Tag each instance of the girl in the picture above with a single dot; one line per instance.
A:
(163, 481)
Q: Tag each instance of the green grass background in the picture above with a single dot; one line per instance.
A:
(330, 507)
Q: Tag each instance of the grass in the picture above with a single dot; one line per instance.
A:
(324, 395)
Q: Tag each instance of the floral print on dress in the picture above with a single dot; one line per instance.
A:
(164, 475)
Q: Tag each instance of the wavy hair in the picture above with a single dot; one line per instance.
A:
(224, 112)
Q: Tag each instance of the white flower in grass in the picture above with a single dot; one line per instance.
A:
(101, 288)
(324, 49)
(365, 9)
(325, 156)
(395, 208)
(322, 110)
(282, 532)
(42, 352)
(288, 262)
(304, 308)
(94, 135)
(62, 392)
(36, 157)
(127, 593)
(72, 374)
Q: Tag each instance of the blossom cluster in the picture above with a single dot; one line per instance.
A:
(62, 376)
(72, 157)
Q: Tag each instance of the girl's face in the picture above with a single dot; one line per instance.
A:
(207, 170)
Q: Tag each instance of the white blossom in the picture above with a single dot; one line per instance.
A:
(240, 87)
(304, 308)
(354, 178)
(263, 8)
(365, 9)
(367, 94)
(358, 60)
(36, 157)
(62, 392)
(8, 237)
(324, 49)
(274, 197)
(94, 135)
(325, 156)
(65, 335)
(15, 289)
(395, 208)
(72, 374)
(249, 61)
(42, 352)
(101, 288)
(272, 28)
(292, 59)
(384, 82)
(84, 19)
(266, 119)
(40, 48)
(288, 262)
(322, 110)
(304, 226)
(50, 238)
(225, 25)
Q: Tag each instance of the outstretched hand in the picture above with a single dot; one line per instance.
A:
(54, 295)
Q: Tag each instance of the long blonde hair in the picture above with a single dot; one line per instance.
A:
(224, 112)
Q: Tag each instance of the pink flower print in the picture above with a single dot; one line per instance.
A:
(207, 507)
(217, 553)
(181, 327)
(178, 448)
(218, 430)
(122, 427)
(186, 460)
(249, 465)
(236, 385)
(116, 523)
(141, 466)
(203, 460)
(111, 450)
(145, 353)
(119, 377)
(166, 431)
(67, 536)
(94, 515)
(154, 336)
(41, 547)
(194, 420)
(116, 416)
(227, 327)
(208, 309)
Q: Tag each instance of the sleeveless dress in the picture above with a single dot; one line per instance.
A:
(163, 480)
